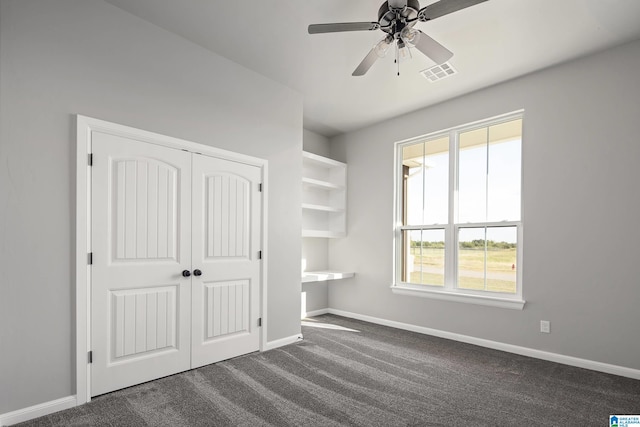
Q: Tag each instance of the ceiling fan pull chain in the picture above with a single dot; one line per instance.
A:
(398, 58)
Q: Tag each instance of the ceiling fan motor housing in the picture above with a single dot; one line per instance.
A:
(392, 21)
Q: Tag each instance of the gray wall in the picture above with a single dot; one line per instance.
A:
(86, 56)
(315, 254)
(315, 251)
(581, 202)
(315, 143)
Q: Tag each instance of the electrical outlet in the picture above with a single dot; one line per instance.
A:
(545, 326)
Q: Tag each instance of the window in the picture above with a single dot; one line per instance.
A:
(458, 231)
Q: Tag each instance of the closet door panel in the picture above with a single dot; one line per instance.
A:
(141, 242)
(227, 207)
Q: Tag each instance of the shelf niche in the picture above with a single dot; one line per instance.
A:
(324, 197)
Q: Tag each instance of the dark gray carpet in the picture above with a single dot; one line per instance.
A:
(352, 373)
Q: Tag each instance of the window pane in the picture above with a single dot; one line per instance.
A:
(471, 258)
(501, 259)
(487, 259)
(472, 176)
(413, 174)
(489, 173)
(424, 262)
(503, 184)
(426, 182)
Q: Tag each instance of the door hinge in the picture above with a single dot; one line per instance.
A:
(90, 159)
(260, 321)
(90, 260)
(260, 187)
(90, 357)
(259, 254)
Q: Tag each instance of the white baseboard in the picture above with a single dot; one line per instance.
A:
(509, 348)
(316, 312)
(282, 341)
(36, 411)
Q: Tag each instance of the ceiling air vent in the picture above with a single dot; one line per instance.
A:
(438, 72)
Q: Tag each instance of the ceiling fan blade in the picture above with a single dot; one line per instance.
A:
(397, 4)
(432, 49)
(378, 50)
(343, 26)
(445, 7)
(366, 63)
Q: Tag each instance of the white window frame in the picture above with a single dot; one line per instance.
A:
(449, 291)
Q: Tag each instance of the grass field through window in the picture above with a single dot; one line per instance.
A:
(501, 269)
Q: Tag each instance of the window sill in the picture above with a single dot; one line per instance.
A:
(514, 304)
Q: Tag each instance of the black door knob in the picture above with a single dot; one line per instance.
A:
(197, 272)
(186, 273)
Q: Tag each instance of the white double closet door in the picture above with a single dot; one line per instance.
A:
(175, 279)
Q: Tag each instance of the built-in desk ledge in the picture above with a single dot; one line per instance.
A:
(321, 276)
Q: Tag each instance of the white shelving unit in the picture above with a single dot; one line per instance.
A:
(324, 197)
(321, 276)
(324, 206)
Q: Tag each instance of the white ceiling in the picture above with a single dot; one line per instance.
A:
(492, 42)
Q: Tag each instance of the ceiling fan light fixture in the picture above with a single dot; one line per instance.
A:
(381, 48)
(404, 53)
(410, 35)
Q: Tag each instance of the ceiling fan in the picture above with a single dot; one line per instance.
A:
(397, 18)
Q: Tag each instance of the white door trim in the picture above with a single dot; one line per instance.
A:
(85, 126)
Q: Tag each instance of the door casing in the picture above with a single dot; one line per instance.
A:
(85, 127)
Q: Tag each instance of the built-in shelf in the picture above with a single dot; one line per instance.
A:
(324, 197)
(320, 161)
(323, 233)
(310, 182)
(324, 208)
(321, 276)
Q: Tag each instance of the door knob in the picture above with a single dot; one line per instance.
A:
(186, 273)
(197, 272)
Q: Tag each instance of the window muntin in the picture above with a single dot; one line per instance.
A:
(459, 209)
